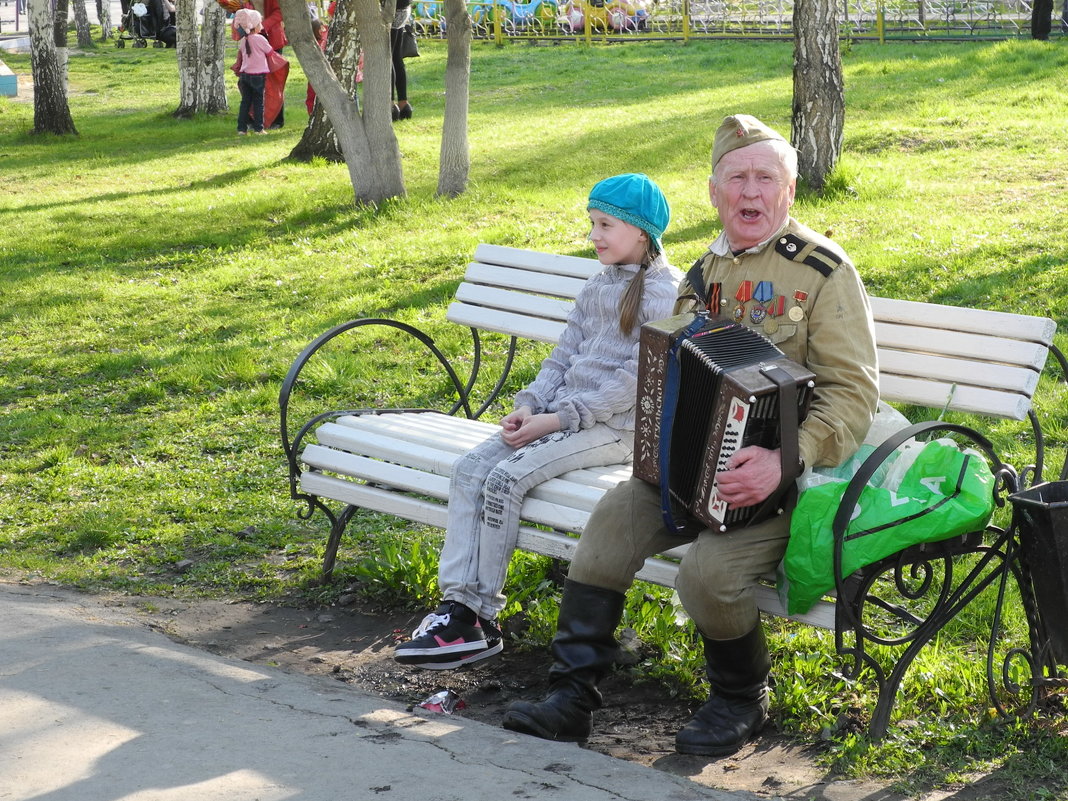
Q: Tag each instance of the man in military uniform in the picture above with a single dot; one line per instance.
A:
(799, 289)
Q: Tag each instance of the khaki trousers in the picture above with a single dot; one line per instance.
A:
(716, 576)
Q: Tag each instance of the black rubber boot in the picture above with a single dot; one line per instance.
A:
(585, 648)
(737, 707)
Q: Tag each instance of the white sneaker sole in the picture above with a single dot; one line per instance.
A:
(452, 664)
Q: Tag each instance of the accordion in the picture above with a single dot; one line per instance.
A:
(729, 388)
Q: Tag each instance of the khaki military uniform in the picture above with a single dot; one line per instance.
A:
(801, 291)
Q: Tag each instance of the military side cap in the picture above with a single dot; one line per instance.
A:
(740, 130)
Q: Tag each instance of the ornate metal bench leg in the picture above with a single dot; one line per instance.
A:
(337, 528)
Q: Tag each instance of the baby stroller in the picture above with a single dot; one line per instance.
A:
(144, 20)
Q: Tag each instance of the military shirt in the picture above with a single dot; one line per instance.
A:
(803, 293)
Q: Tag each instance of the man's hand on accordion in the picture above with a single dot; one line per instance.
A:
(752, 474)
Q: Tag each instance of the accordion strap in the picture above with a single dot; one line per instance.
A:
(789, 457)
(695, 277)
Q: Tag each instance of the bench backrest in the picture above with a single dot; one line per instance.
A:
(931, 355)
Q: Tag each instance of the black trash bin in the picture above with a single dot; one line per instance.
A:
(1044, 539)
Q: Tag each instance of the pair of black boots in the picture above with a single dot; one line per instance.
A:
(585, 649)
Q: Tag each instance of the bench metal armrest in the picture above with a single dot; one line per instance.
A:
(291, 446)
(932, 568)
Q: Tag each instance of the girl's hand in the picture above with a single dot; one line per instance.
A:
(532, 428)
(512, 421)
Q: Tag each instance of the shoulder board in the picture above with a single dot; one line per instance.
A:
(794, 248)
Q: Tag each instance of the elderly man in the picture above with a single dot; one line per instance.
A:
(800, 290)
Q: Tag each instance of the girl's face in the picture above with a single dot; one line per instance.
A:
(616, 242)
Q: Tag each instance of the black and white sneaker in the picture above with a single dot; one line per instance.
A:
(450, 637)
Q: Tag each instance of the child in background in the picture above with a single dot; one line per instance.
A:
(578, 413)
(251, 68)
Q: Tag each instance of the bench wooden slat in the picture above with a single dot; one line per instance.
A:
(955, 318)
(376, 471)
(960, 344)
(936, 395)
(551, 263)
(506, 323)
(406, 507)
(524, 280)
(347, 432)
(1020, 380)
(385, 448)
(517, 302)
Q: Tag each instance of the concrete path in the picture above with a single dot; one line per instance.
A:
(97, 707)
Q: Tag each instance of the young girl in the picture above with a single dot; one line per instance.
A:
(578, 413)
(251, 68)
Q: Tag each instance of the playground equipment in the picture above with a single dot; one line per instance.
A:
(617, 16)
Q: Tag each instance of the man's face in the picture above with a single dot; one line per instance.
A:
(752, 192)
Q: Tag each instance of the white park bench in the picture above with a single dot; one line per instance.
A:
(399, 461)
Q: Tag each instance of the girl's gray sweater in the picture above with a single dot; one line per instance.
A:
(591, 376)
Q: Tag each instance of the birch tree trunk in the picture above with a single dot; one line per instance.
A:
(81, 24)
(455, 161)
(51, 113)
(103, 13)
(60, 22)
(819, 90)
(366, 139)
(187, 48)
(343, 56)
(59, 35)
(211, 81)
(201, 67)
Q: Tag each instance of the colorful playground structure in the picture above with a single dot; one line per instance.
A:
(685, 19)
(544, 17)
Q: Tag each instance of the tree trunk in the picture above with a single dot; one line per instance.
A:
(188, 51)
(455, 154)
(367, 140)
(819, 90)
(201, 67)
(60, 23)
(211, 82)
(343, 56)
(51, 114)
(81, 24)
(103, 13)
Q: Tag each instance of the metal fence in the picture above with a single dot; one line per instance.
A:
(609, 20)
(621, 20)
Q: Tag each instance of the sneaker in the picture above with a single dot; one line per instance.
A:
(444, 640)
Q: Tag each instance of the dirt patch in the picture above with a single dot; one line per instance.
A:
(345, 644)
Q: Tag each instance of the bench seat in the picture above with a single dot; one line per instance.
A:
(400, 464)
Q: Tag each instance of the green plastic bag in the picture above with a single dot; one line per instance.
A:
(931, 491)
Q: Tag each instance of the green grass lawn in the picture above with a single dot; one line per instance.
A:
(157, 277)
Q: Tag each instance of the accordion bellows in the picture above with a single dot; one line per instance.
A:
(726, 401)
